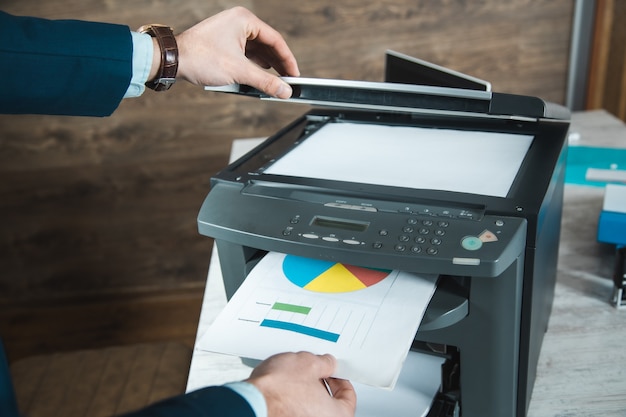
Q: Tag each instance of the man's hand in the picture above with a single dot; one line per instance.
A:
(233, 47)
(293, 386)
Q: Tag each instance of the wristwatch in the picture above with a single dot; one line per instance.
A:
(166, 75)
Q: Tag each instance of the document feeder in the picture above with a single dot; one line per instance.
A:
(495, 252)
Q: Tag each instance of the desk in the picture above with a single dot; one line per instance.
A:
(582, 366)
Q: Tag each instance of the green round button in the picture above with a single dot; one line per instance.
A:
(471, 243)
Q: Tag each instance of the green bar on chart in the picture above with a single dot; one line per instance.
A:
(292, 308)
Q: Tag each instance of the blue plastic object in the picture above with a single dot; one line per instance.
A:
(612, 228)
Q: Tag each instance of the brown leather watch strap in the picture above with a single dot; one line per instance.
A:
(166, 75)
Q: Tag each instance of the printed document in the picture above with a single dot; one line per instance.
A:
(367, 318)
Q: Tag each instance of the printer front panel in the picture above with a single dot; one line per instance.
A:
(474, 321)
(473, 314)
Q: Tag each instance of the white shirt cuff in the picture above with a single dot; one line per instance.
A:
(251, 394)
(142, 63)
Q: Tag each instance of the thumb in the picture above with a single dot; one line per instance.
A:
(342, 391)
(268, 83)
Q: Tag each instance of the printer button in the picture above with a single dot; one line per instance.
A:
(488, 236)
(432, 251)
(466, 261)
(330, 239)
(471, 243)
(310, 236)
(351, 242)
(420, 239)
(400, 248)
(404, 238)
(383, 232)
(377, 245)
(443, 223)
(416, 249)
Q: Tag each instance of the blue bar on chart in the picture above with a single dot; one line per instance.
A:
(298, 328)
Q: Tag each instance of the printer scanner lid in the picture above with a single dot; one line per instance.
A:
(405, 98)
(411, 86)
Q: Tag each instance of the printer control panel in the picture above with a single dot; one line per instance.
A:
(462, 237)
(416, 234)
(432, 238)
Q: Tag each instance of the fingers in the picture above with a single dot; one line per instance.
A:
(327, 365)
(266, 45)
(266, 48)
(293, 386)
(342, 390)
(233, 47)
(270, 84)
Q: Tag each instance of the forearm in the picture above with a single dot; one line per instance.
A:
(63, 66)
(218, 401)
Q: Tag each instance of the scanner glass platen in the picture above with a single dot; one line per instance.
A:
(475, 162)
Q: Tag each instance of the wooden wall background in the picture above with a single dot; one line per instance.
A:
(98, 242)
(607, 75)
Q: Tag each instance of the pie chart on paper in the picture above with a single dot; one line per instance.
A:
(330, 277)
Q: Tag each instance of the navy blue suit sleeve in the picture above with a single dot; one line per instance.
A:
(8, 403)
(215, 401)
(66, 67)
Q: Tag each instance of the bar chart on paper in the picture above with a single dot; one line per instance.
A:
(317, 317)
(326, 320)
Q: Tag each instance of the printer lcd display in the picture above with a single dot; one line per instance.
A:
(475, 162)
(342, 224)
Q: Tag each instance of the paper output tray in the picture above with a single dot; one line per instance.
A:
(448, 306)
